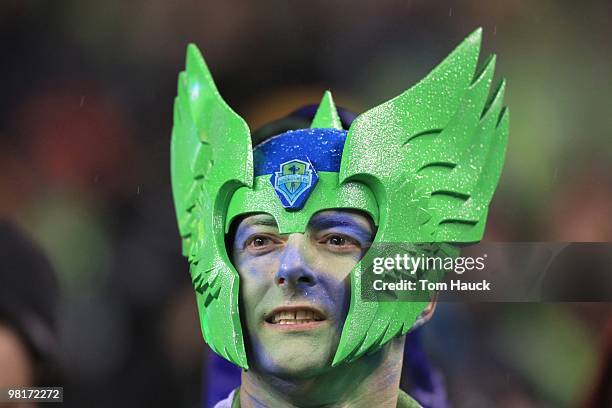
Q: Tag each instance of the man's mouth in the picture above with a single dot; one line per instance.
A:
(294, 316)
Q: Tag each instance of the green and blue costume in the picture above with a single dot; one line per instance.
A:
(424, 165)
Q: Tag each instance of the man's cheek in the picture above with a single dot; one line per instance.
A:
(258, 267)
(252, 284)
(256, 278)
(334, 266)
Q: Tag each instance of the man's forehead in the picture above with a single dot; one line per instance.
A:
(320, 220)
(258, 219)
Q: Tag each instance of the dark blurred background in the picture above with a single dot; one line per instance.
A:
(85, 120)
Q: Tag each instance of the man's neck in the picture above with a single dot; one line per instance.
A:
(370, 381)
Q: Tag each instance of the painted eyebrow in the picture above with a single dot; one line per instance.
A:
(245, 226)
(266, 221)
(336, 220)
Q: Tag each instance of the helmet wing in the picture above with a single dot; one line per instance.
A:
(211, 156)
(432, 156)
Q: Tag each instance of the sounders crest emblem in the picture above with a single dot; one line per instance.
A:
(293, 183)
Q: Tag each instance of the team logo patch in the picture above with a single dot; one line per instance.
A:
(294, 182)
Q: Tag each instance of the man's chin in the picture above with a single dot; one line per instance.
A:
(293, 354)
(293, 365)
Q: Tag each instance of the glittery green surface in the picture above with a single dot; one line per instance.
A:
(424, 165)
(327, 116)
(326, 194)
(211, 157)
(433, 157)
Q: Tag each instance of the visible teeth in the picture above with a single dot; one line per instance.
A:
(304, 314)
(299, 321)
(295, 317)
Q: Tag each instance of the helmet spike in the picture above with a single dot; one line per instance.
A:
(327, 115)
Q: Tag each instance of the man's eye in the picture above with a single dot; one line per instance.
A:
(260, 242)
(337, 240)
(341, 241)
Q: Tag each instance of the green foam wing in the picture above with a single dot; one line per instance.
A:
(211, 157)
(432, 156)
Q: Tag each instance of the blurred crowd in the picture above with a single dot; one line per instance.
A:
(85, 121)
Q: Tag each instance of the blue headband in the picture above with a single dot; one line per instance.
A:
(293, 159)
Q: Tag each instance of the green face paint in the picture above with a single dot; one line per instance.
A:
(423, 165)
(295, 288)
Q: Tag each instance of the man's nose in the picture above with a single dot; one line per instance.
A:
(294, 270)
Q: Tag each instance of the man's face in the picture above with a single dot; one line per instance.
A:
(295, 288)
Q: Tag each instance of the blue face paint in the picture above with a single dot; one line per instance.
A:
(346, 223)
(306, 272)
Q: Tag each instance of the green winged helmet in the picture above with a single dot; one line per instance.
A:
(424, 165)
